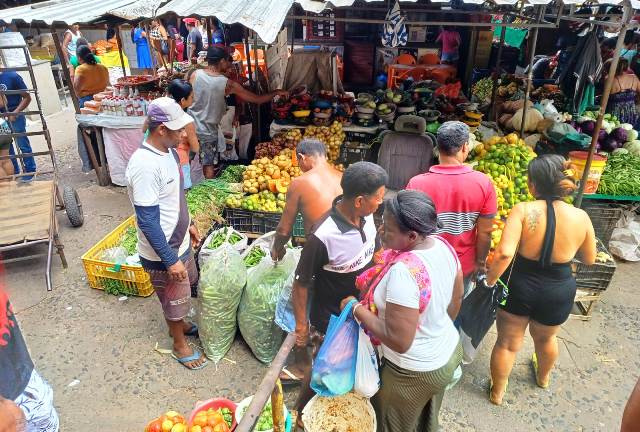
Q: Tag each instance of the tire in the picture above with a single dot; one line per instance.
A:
(73, 206)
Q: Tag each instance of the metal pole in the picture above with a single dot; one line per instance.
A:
(65, 70)
(247, 53)
(255, 54)
(493, 113)
(154, 60)
(603, 102)
(119, 41)
(527, 89)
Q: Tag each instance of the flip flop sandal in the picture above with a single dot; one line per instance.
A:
(290, 377)
(493, 401)
(534, 363)
(195, 356)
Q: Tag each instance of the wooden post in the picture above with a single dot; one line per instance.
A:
(624, 23)
(119, 41)
(248, 55)
(65, 70)
(154, 60)
(255, 54)
(527, 89)
(209, 38)
(493, 113)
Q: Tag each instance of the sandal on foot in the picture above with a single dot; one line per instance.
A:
(195, 356)
(534, 363)
(287, 377)
(491, 399)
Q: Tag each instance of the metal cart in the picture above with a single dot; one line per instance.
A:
(28, 208)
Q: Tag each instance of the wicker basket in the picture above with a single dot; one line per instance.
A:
(604, 217)
(597, 276)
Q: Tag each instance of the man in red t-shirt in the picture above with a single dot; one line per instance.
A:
(465, 200)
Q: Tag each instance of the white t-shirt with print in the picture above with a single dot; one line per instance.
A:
(153, 178)
(436, 336)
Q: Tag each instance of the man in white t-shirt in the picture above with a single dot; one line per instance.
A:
(165, 232)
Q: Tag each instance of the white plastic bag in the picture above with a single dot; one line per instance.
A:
(625, 239)
(206, 253)
(367, 381)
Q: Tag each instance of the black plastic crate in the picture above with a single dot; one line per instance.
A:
(597, 276)
(604, 217)
(251, 222)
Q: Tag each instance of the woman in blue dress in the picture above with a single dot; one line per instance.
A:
(142, 48)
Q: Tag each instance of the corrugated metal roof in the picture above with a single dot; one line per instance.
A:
(63, 11)
(265, 17)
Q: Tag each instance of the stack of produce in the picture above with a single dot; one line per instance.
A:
(214, 420)
(505, 161)
(613, 134)
(482, 89)
(621, 175)
(281, 141)
(232, 174)
(332, 137)
(171, 421)
(205, 202)
(264, 201)
(273, 175)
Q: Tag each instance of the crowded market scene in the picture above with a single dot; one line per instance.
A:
(319, 216)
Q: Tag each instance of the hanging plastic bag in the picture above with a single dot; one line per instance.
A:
(367, 382)
(285, 318)
(217, 238)
(477, 315)
(257, 309)
(334, 369)
(222, 279)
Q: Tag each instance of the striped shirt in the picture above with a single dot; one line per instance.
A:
(461, 196)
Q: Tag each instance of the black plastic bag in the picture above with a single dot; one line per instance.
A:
(477, 315)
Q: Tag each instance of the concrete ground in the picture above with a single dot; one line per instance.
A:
(99, 352)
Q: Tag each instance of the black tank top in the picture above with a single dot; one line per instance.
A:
(544, 262)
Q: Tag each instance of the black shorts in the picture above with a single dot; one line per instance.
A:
(544, 295)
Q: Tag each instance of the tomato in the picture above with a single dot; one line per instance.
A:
(195, 428)
(207, 429)
(200, 419)
(179, 427)
(221, 427)
(167, 425)
(154, 426)
(214, 418)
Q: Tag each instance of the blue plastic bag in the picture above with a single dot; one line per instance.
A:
(334, 369)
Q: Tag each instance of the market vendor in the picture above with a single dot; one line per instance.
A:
(90, 77)
(194, 40)
(625, 93)
(211, 86)
(70, 43)
(340, 249)
(165, 233)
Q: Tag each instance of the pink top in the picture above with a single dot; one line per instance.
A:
(450, 41)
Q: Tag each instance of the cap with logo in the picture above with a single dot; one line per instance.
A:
(167, 111)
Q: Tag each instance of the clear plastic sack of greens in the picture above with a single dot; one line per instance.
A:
(222, 279)
(256, 314)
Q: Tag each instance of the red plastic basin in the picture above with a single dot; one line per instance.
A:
(215, 403)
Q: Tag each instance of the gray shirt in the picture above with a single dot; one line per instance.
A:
(209, 105)
(194, 38)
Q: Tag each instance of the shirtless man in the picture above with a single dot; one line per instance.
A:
(310, 194)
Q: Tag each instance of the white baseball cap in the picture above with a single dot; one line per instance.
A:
(167, 111)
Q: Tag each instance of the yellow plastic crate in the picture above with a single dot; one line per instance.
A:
(134, 279)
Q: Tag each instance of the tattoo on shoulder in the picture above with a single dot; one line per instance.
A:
(533, 216)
